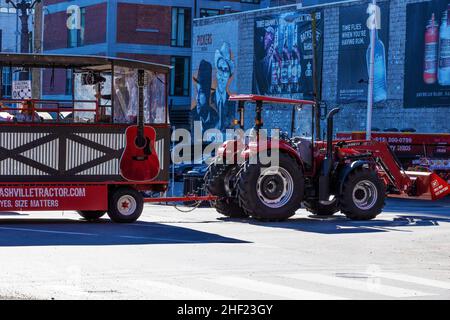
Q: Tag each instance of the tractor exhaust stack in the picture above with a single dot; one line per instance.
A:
(324, 179)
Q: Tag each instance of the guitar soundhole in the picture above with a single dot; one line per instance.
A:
(140, 142)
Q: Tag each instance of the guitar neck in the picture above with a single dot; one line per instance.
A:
(141, 84)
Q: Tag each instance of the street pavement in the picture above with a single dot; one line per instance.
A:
(167, 254)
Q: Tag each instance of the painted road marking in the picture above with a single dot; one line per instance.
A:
(177, 292)
(369, 286)
(273, 289)
(49, 231)
(414, 279)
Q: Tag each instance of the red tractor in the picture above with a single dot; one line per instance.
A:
(353, 176)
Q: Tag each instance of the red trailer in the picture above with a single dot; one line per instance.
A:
(415, 151)
(93, 150)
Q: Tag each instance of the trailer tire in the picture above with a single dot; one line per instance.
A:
(260, 194)
(125, 205)
(91, 215)
(319, 209)
(363, 195)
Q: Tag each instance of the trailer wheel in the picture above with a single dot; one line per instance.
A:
(271, 193)
(91, 215)
(125, 205)
(319, 208)
(221, 182)
(363, 195)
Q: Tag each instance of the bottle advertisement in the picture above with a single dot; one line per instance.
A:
(354, 53)
(427, 56)
(284, 54)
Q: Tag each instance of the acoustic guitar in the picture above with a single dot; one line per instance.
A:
(139, 160)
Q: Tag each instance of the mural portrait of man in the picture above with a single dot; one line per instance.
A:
(224, 70)
(215, 69)
(203, 111)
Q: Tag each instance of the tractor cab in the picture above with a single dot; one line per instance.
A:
(303, 145)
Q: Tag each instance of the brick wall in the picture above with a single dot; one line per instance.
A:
(55, 31)
(161, 59)
(95, 24)
(353, 116)
(143, 24)
(55, 28)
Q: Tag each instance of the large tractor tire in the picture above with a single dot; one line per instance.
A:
(322, 209)
(221, 182)
(363, 195)
(271, 193)
(229, 207)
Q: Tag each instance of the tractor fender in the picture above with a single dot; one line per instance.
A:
(347, 169)
(283, 147)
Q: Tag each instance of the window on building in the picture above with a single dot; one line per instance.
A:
(251, 1)
(75, 37)
(209, 12)
(181, 27)
(6, 82)
(180, 76)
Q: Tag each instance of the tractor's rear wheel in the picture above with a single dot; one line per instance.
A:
(221, 182)
(229, 207)
(321, 208)
(363, 195)
(271, 193)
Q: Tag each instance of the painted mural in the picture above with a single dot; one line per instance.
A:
(214, 75)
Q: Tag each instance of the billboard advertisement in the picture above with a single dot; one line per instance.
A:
(284, 53)
(214, 74)
(354, 53)
(427, 56)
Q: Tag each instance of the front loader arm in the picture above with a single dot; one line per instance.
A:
(409, 184)
(381, 154)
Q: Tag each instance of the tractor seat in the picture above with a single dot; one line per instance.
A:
(303, 145)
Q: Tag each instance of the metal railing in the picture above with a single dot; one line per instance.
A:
(36, 110)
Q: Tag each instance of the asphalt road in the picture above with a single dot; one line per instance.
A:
(404, 254)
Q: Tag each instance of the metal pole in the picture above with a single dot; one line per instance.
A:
(316, 93)
(371, 73)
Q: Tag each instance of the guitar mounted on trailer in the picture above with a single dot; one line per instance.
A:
(139, 160)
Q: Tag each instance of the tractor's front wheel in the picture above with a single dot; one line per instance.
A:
(271, 193)
(363, 195)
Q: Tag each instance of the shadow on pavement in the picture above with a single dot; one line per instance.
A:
(67, 232)
(341, 225)
(7, 213)
(408, 213)
(440, 207)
